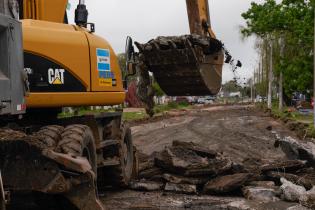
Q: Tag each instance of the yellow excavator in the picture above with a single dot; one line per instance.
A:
(45, 158)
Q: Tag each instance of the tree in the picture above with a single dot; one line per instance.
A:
(292, 21)
(231, 86)
(122, 63)
(157, 90)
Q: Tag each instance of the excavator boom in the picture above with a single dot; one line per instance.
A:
(198, 13)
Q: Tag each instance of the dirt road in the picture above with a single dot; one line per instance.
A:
(239, 132)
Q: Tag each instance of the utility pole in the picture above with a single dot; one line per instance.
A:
(270, 76)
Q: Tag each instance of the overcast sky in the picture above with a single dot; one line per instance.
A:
(147, 19)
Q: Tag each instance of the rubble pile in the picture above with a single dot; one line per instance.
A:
(188, 168)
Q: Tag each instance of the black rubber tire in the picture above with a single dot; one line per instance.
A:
(78, 140)
(51, 135)
(120, 175)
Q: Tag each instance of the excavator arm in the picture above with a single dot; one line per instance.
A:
(199, 17)
(188, 65)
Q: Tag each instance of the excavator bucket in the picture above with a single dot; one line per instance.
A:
(189, 65)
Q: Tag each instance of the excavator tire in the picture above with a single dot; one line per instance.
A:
(119, 174)
(2, 194)
(78, 140)
(51, 135)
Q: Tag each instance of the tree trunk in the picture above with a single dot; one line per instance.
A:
(252, 89)
(270, 77)
(281, 92)
(281, 75)
(314, 81)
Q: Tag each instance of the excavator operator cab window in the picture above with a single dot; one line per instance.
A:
(3, 52)
(21, 15)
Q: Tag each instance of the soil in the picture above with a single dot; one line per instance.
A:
(240, 132)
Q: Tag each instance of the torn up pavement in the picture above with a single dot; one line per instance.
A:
(189, 168)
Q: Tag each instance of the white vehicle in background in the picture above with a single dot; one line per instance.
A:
(206, 100)
(260, 99)
(236, 94)
(201, 100)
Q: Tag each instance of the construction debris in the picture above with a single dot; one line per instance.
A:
(297, 150)
(284, 166)
(261, 193)
(291, 192)
(184, 180)
(303, 180)
(146, 185)
(308, 199)
(183, 161)
(149, 173)
(199, 150)
(226, 184)
(262, 184)
(181, 188)
(189, 168)
(298, 207)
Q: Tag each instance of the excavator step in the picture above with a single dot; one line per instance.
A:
(110, 162)
(189, 65)
(107, 143)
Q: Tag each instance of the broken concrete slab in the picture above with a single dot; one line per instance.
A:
(178, 160)
(283, 166)
(308, 199)
(146, 165)
(198, 149)
(215, 167)
(295, 149)
(184, 180)
(263, 194)
(181, 188)
(291, 192)
(298, 207)
(182, 161)
(149, 173)
(225, 184)
(145, 161)
(143, 185)
(303, 180)
(261, 184)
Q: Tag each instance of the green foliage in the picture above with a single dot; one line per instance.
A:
(122, 61)
(172, 105)
(129, 116)
(310, 131)
(183, 104)
(261, 88)
(231, 86)
(157, 90)
(293, 22)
